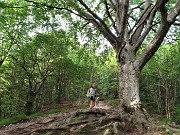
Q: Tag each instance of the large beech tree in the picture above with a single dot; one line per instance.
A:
(127, 25)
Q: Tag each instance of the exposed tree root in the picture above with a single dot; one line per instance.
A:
(95, 122)
(98, 120)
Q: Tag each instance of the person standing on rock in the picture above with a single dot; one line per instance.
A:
(92, 95)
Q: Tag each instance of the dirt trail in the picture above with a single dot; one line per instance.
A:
(102, 105)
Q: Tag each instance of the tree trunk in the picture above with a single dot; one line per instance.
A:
(29, 106)
(30, 102)
(129, 85)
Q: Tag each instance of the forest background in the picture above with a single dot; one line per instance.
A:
(45, 61)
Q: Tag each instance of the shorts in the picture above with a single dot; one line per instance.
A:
(92, 98)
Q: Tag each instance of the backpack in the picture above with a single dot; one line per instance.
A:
(88, 95)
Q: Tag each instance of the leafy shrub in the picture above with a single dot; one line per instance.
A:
(163, 120)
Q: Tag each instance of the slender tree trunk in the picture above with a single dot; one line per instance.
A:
(129, 85)
(30, 102)
(159, 105)
(60, 95)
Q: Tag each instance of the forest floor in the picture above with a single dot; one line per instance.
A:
(50, 122)
(75, 121)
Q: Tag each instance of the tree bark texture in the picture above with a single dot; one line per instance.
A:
(129, 85)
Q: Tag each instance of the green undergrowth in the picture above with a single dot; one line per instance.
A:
(14, 119)
(176, 114)
(23, 117)
(175, 117)
(163, 120)
(113, 103)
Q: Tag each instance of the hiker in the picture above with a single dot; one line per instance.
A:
(92, 96)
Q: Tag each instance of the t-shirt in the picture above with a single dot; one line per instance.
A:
(92, 91)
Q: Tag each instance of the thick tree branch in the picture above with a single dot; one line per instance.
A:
(122, 15)
(122, 21)
(140, 24)
(101, 29)
(110, 17)
(153, 46)
(132, 16)
(92, 18)
(146, 31)
(143, 17)
(95, 16)
(174, 13)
